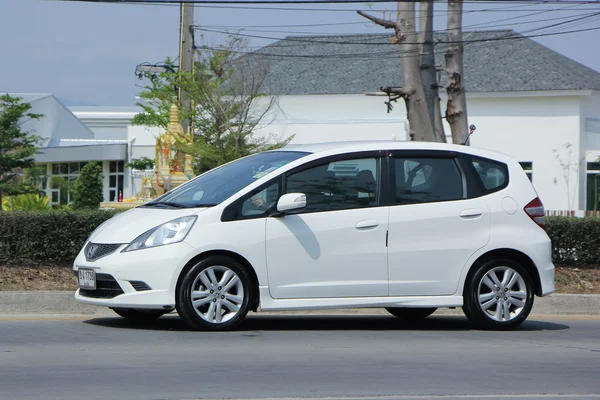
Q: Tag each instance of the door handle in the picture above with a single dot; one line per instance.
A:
(471, 213)
(369, 223)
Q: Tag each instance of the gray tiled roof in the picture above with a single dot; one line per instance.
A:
(351, 64)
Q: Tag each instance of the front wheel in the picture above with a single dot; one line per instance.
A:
(139, 316)
(498, 295)
(214, 294)
(411, 314)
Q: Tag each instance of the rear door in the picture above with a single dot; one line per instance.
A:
(433, 228)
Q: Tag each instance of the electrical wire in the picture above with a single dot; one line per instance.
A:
(396, 53)
(485, 25)
(247, 5)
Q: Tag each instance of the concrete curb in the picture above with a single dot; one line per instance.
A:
(47, 302)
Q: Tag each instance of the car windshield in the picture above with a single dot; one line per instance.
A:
(220, 183)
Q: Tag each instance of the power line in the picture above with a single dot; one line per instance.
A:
(396, 53)
(303, 40)
(256, 4)
(480, 25)
(326, 2)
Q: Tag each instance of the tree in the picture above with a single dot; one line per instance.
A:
(17, 147)
(87, 190)
(228, 93)
(141, 164)
(456, 113)
(420, 89)
(412, 91)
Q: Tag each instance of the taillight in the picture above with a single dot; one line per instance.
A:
(535, 210)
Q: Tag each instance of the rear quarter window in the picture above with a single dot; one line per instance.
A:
(490, 175)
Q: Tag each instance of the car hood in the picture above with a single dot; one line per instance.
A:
(126, 226)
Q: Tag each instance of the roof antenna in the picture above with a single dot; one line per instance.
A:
(472, 129)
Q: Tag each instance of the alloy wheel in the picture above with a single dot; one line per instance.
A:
(502, 294)
(217, 294)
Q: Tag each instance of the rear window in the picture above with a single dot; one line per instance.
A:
(493, 175)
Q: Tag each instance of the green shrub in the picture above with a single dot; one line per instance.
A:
(87, 191)
(57, 236)
(46, 236)
(25, 202)
(574, 240)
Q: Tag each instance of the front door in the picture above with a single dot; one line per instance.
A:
(336, 246)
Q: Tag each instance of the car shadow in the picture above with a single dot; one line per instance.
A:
(295, 322)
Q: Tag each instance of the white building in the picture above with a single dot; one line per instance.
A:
(526, 100)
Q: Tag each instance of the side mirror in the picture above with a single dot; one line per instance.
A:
(291, 202)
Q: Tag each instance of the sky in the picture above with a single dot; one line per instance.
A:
(86, 53)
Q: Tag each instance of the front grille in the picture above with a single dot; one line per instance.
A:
(94, 251)
(140, 286)
(106, 288)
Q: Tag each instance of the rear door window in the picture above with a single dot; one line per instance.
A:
(427, 180)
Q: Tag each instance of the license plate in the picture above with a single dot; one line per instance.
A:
(87, 279)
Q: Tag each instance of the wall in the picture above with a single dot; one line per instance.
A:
(332, 118)
(535, 129)
(526, 126)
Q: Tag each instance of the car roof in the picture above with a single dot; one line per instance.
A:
(332, 148)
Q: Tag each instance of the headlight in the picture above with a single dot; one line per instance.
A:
(170, 232)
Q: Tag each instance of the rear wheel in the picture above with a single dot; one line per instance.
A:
(411, 314)
(214, 294)
(139, 315)
(498, 295)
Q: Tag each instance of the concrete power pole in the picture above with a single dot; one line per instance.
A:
(186, 55)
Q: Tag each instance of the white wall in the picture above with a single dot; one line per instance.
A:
(527, 128)
(332, 118)
(532, 129)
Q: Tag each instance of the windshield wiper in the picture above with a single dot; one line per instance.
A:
(166, 204)
(178, 205)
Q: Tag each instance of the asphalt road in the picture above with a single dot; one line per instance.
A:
(299, 356)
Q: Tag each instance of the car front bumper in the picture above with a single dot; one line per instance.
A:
(139, 279)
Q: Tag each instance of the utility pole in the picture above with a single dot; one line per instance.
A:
(186, 57)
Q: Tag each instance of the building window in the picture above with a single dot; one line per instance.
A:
(62, 179)
(116, 176)
(593, 186)
(528, 168)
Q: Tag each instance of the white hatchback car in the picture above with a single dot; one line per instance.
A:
(406, 226)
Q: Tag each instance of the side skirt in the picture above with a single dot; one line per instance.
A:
(267, 303)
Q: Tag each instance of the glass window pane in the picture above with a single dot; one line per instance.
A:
(64, 196)
(593, 192)
(55, 196)
(493, 174)
(74, 168)
(593, 166)
(527, 166)
(55, 169)
(120, 182)
(258, 204)
(112, 166)
(120, 166)
(219, 184)
(338, 185)
(112, 195)
(112, 181)
(64, 169)
(427, 180)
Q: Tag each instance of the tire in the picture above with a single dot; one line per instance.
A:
(139, 316)
(498, 295)
(214, 294)
(411, 314)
